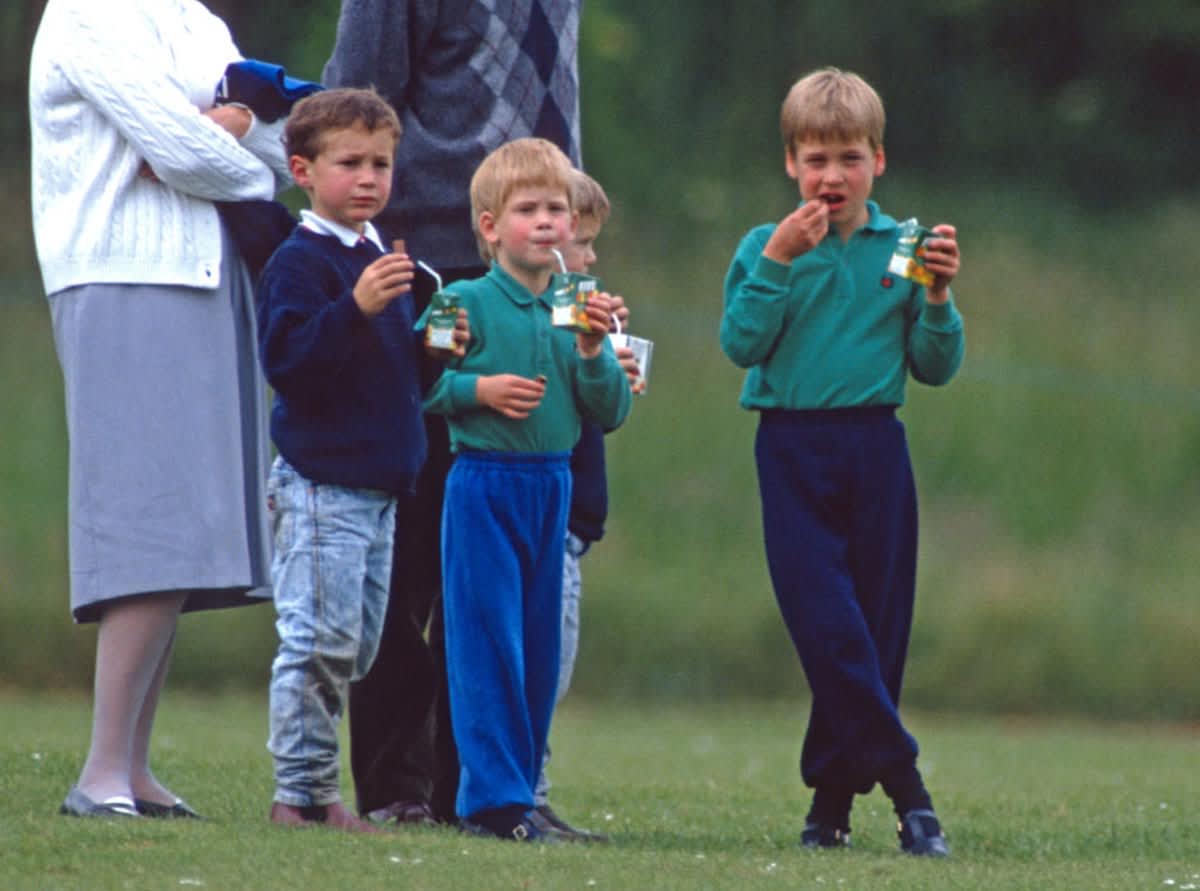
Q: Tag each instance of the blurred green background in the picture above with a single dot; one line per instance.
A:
(1059, 473)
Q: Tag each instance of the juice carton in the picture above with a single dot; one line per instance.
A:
(441, 317)
(908, 260)
(569, 292)
(643, 352)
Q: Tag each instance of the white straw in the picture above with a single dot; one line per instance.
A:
(431, 271)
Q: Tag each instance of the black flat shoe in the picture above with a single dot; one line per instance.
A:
(76, 804)
(551, 823)
(527, 830)
(822, 835)
(921, 834)
(178, 810)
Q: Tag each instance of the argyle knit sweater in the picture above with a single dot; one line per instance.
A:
(465, 76)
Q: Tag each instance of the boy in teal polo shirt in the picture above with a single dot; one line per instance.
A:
(514, 403)
(829, 335)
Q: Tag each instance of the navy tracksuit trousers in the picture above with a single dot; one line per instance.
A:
(840, 526)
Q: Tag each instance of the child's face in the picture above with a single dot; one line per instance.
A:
(534, 221)
(839, 173)
(580, 252)
(350, 179)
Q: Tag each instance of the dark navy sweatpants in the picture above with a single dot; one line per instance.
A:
(840, 525)
(503, 527)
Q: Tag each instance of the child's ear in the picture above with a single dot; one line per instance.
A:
(880, 161)
(487, 227)
(789, 163)
(298, 166)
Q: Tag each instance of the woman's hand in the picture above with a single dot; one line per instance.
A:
(233, 119)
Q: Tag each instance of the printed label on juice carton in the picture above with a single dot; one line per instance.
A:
(569, 296)
(909, 257)
(443, 316)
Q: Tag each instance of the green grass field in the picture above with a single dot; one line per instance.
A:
(694, 797)
(1059, 477)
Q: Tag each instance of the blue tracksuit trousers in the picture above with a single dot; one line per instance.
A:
(503, 527)
(840, 526)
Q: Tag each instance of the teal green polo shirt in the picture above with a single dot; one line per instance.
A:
(511, 334)
(834, 329)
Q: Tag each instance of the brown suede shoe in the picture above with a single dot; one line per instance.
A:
(334, 815)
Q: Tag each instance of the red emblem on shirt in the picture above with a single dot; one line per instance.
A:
(887, 281)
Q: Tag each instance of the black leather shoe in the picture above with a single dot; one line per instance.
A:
(76, 804)
(921, 834)
(822, 835)
(554, 824)
(177, 810)
(530, 829)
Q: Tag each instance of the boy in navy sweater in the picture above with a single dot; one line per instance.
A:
(336, 338)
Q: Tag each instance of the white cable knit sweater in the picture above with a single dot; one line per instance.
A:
(116, 83)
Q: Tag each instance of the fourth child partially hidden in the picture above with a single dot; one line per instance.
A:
(829, 336)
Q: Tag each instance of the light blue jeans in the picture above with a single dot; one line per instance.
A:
(332, 565)
(572, 591)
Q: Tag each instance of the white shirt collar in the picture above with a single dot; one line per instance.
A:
(344, 234)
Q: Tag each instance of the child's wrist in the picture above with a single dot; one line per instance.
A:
(589, 347)
(938, 298)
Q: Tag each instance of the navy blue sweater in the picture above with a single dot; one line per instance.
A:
(589, 485)
(347, 392)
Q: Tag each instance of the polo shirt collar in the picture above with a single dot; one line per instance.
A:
(513, 289)
(344, 234)
(877, 220)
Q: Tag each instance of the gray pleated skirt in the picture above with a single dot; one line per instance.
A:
(169, 449)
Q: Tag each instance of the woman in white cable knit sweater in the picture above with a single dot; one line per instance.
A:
(153, 322)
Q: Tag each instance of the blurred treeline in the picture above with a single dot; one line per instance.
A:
(1096, 99)
(1059, 473)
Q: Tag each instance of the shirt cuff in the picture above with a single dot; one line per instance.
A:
(940, 315)
(463, 391)
(772, 271)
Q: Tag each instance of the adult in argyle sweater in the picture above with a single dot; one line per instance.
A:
(465, 76)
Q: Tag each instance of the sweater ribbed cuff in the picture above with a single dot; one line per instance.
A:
(772, 271)
(940, 315)
(462, 392)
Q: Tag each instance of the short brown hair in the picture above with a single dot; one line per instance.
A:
(530, 162)
(341, 109)
(589, 199)
(831, 104)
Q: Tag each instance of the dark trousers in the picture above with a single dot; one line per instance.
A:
(840, 527)
(401, 741)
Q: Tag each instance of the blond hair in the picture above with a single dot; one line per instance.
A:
(831, 105)
(530, 162)
(589, 199)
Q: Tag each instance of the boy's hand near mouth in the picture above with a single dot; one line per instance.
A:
(799, 232)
